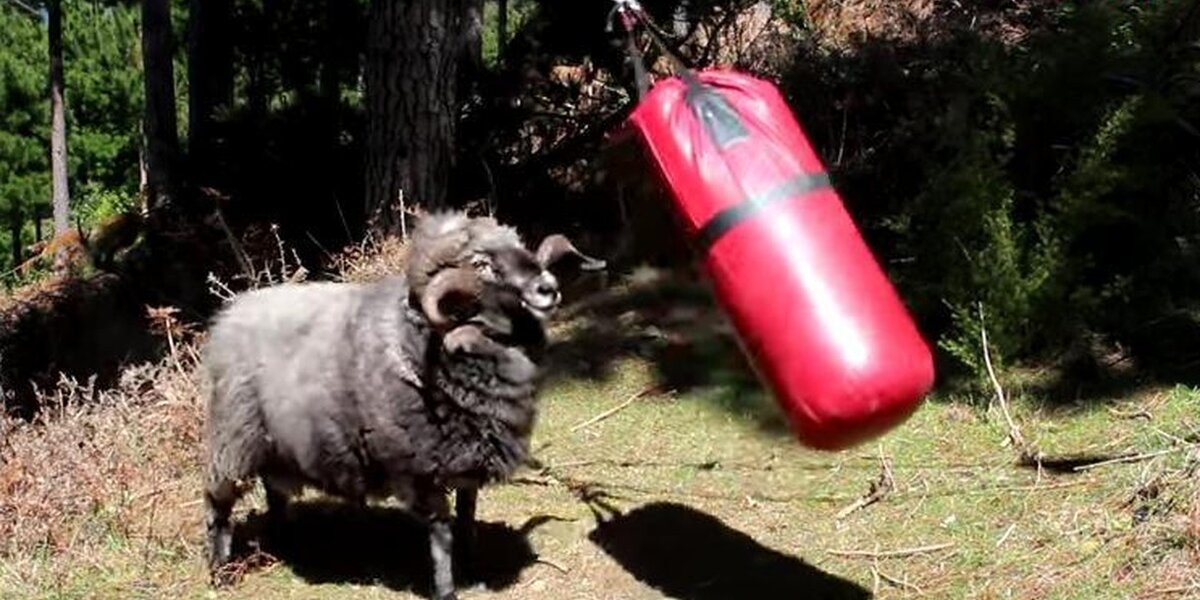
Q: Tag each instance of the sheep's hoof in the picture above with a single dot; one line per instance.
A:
(475, 587)
(466, 576)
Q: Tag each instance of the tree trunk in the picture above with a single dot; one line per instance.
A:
(162, 137)
(15, 221)
(58, 124)
(210, 81)
(472, 60)
(330, 80)
(501, 29)
(413, 50)
(258, 91)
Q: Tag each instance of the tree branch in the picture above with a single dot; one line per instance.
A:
(23, 6)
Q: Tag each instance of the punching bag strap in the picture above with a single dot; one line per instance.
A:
(724, 221)
(631, 14)
(635, 56)
(626, 10)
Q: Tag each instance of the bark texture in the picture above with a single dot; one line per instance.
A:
(472, 48)
(58, 124)
(15, 221)
(501, 29)
(162, 137)
(210, 81)
(413, 50)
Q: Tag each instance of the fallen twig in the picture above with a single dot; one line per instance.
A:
(1014, 433)
(1130, 459)
(584, 463)
(547, 478)
(1183, 589)
(878, 490)
(877, 494)
(536, 481)
(1140, 413)
(1173, 437)
(906, 552)
(1007, 532)
(896, 582)
(612, 411)
(1032, 488)
(155, 491)
(556, 566)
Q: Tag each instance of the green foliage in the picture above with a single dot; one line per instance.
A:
(1050, 180)
(24, 110)
(102, 64)
(104, 94)
(1009, 276)
(1046, 178)
(104, 202)
(519, 12)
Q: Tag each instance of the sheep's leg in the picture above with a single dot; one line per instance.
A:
(440, 543)
(219, 498)
(435, 507)
(464, 526)
(277, 503)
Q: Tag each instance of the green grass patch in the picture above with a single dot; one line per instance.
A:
(700, 491)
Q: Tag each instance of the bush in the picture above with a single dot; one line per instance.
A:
(1042, 176)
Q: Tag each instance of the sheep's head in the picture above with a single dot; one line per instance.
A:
(456, 258)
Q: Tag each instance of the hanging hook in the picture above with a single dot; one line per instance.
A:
(627, 9)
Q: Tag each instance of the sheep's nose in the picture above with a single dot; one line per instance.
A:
(546, 288)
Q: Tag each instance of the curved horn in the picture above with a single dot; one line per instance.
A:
(451, 281)
(556, 246)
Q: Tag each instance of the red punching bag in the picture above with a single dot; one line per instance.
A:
(814, 312)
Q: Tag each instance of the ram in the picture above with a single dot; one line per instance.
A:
(408, 387)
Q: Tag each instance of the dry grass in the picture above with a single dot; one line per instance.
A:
(371, 260)
(99, 475)
(31, 292)
(101, 499)
(843, 24)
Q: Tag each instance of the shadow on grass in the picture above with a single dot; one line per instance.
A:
(672, 323)
(1165, 352)
(1092, 374)
(327, 541)
(688, 554)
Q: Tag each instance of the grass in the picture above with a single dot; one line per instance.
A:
(697, 494)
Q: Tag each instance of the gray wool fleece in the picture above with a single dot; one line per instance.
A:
(325, 381)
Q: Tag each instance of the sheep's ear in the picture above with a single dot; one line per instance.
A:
(555, 247)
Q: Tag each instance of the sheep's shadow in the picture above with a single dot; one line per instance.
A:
(688, 554)
(325, 541)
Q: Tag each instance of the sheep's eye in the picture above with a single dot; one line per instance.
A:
(483, 265)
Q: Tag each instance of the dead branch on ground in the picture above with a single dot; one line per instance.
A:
(879, 489)
(1028, 455)
(902, 553)
(612, 411)
(905, 585)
